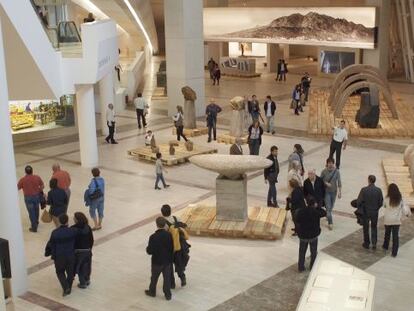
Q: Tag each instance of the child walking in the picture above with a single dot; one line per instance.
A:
(159, 169)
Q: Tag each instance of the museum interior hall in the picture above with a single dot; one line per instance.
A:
(190, 155)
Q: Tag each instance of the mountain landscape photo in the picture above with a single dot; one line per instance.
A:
(310, 27)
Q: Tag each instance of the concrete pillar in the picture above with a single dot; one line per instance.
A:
(224, 49)
(285, 51)
(10, 221)
(106, 97)
(274, 53)
(86, 125)
(184, 51)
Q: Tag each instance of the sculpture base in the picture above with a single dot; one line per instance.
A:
(228, 139)
(181, 154)
(262, 223)
(231, 198)
(193, 132)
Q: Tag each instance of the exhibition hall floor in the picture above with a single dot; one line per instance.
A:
(223, 274)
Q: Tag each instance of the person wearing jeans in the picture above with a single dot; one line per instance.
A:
(32, 186)
(332, 181)
(140, 107)
(179, 123)
(159, 171)
(308, 230)
(270, 109)
(369, 201)
(254, 138)
(110, 121)
(339, 141)
(212, 110)
(97, 185)
(270, 175)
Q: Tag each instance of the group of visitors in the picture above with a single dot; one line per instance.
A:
(282, 70)
(214, 70)
(300, 94)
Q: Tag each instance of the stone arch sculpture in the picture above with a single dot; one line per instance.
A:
(359, 85)
(353, 70)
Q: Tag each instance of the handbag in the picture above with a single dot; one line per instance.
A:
(97, 193)
(46, 217)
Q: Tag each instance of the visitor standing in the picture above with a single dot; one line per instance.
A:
(61, 247)
(297, 155)
(339, 141)
(313, 187)
(160, 247)
(159, 172)
(212, 110)
(210, 66)
(370, 200)
(236, 148)
(254, 139)
(63, 179)
(58, 201)
(295, 201)
(295, 173)
(394, 209)
(306, 83)
(179, 123)
(141, 107)
(269, 110)
(216, 75)
(96, 190)
(283, 70)
(83, 249)
(296, 99)
(271, 174)
(333, 185)
(32, 186)
(279, 68)
(308, 229)
(110, 121)
(254, 108)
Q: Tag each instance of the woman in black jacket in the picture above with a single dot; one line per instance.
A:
(308, 228)
(83, 249)
(296, 201)
(58, 201)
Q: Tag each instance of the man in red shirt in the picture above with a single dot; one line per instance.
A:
(63, 179)
(32, 186)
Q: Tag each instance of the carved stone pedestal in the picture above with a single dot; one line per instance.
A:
(231, 198)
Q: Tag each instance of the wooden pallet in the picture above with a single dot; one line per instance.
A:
(192, 132)
(321, 119)
(263, 223)
(181, 154)
(397, 172)
(228, 139)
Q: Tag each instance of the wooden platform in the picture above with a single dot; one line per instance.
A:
(263, 223)
(181, 153)
(321, 118)
(192, 132)
(397, 172)
(228, 139)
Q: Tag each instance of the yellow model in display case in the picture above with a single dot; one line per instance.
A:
(20, 119)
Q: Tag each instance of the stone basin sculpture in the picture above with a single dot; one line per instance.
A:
(231, 184)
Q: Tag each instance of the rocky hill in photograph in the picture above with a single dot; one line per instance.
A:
(312, 26)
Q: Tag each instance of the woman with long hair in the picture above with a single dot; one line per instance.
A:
(83, 249)
(297, 155)
(394, 209)
(254, 138)
(179, 123)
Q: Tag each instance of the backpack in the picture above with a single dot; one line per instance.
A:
(179, 235)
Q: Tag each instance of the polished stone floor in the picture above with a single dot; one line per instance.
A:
(223, 274)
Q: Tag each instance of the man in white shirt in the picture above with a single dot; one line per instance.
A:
(339, 140)
(110, 121)
(141, 107)
(270, 109)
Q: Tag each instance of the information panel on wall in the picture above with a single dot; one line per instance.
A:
(351, 27)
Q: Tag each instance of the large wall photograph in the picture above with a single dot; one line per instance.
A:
(323, 26)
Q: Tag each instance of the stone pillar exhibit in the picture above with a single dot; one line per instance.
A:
(237, 124)
(184, 51)
(106, 96)
(86, 125)
(10, 221)
(189, 107)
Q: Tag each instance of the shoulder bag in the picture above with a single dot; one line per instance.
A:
(97, 193)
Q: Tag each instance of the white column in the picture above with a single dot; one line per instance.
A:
(87, 126)
(106, 96)
(274, 53)
(10, 221)
(184, 51)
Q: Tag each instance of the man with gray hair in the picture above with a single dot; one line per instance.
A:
(295, 173)
(236, 148)
(313, 187)
(63, 179)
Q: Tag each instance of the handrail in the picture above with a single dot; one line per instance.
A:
(55, 40)
(68, 32)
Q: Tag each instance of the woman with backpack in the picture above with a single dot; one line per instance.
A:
(394, 209)
(179, 123)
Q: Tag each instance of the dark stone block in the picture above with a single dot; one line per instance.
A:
(369, 110)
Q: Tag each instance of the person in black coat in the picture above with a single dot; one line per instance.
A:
(295, 201)
(270, 175)
(370, 200)
(308, 228)
(61, 247)
(83, 249)
(314, 187)
(58, 201)
(216, 75)
(160, 246)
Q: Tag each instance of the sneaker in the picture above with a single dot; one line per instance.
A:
(330, 227)
(67, 292)
(365, 246)
(148, 293)
(82, 286)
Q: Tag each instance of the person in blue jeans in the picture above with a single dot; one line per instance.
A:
(159, 172)
(332, 179)
(97, 196)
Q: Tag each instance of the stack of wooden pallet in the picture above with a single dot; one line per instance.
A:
(263, 223)
(192, 132)
(228, 139)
